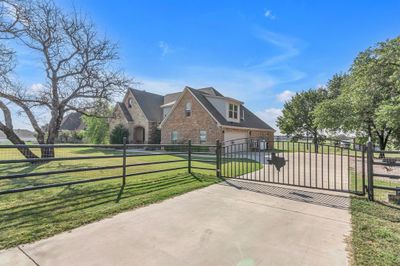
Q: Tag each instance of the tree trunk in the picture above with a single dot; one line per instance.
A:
(54, 128)
(383, 140)
(315, 141)
(24, 150)
(382, 146)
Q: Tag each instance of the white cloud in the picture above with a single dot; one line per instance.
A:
(270, 115)
(286, 44)
(285, 95)
(165, 49)
(160, 86)
(36, 87)
(268, 14)
(242, 84)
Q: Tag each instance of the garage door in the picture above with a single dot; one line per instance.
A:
(237, 136)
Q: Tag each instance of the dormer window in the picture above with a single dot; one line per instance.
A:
(241, 113)
(233, 111)
(130, 102)
(188, 109)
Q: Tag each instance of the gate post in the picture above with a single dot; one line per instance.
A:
(190, 156)
(218, 158)
(370, 170)
(363, 150)
(124, 162)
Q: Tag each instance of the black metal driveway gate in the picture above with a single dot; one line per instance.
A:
(324, 166)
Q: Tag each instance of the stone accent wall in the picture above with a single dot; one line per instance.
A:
(189, 127)
(139, 119)
(118, 119)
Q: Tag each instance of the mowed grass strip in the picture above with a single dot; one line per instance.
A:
(375, 232)
(34, 215)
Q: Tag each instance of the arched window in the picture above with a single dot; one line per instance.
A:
(130, 102)
(188, 109)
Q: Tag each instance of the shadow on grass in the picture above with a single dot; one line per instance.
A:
(33, 215)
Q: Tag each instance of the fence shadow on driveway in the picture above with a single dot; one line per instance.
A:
(317, 198)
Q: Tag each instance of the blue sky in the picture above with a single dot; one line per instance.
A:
(260, 52)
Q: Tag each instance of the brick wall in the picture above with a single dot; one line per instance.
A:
(189, 127)
(269, 135)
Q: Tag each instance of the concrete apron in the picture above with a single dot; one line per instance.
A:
(224, 224)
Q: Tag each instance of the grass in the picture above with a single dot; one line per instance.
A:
(375, 227)
(376, 233)
(34, 215)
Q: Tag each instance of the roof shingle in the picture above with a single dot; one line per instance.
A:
(150, 104)
(250, 120)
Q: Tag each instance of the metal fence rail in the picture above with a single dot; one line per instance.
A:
(354, 169)
(116, 155)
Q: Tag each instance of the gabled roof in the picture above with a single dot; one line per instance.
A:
(72, 121)
(172, 97)
(150, 104)
(125, 111)
(250, 119)
(210, 91)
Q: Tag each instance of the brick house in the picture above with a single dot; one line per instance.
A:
(202, 115)
(141, 114)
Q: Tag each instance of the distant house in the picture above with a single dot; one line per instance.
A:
(201, 115)
(72, 122)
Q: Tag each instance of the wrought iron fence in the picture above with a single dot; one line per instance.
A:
(321, 166)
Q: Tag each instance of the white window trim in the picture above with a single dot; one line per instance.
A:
(232, 119)
(206, 136)
(174, 140)
(188, 109)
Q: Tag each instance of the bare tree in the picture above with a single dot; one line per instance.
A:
(78, 63)
(6, 66)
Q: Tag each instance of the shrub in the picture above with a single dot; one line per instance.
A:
(118, 133)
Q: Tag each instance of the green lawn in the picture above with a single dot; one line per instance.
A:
(375, 227)
(375, 233)
(33, 215)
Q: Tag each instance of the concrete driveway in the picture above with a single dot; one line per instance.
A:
(235, 223)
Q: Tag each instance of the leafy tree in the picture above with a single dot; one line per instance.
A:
(118, 133)
(297, 114)
(368, 102)
(97, 129)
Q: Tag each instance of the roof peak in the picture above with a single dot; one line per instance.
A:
(144, 91)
